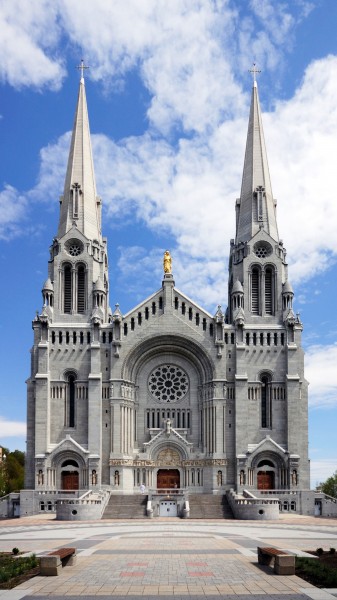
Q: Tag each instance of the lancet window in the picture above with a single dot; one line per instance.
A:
(74, 288)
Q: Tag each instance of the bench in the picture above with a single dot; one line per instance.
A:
(284, 562)
(52, 563)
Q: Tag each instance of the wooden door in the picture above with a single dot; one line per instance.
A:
(265, 480)
(168, 478)
(70, 480)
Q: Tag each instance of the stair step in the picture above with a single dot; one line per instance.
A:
(208, 506)
(126, 507)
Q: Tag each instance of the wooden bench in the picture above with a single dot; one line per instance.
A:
(284, 562)
(52, 563)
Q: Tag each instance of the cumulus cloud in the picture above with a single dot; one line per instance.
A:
(28, 44)
(13, 210)
(320, 363)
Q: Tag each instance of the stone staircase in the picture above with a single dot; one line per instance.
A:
(126, 507)
(208, 506)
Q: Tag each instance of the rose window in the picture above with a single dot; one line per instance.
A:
(74, 247)
(168, 383)
(75, 250)
(262, 249)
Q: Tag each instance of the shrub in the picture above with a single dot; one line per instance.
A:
(319, 551)
(332, 550)
(15, 551)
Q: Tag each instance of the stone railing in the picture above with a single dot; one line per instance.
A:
(89, 506)
(248, 507)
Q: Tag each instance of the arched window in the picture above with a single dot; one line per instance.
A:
(268, 291)
(81, 295)
(67, 289)
(266, 421)
(70, 400)
(255, 291)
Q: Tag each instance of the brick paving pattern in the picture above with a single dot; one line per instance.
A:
(174, 559)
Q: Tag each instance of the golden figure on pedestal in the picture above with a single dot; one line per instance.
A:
(167, 262)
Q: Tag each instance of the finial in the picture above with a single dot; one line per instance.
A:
(81, 68)
(167, 262)
(254, 72)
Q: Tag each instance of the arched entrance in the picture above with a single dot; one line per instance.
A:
(168, 478)
(69, 476)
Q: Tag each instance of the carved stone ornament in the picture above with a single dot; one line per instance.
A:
(168, 457)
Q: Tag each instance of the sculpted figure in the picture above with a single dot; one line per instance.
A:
(167, 262)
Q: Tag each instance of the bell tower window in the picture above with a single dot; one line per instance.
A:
(268, 288)
(81, 289)
(255, 291)
(67, 291)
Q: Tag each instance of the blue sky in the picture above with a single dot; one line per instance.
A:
(168, 91)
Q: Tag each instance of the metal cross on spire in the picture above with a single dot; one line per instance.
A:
(82, 68)
(254, 71)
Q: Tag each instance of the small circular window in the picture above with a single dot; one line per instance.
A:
(74, 247)
(262, 249)
(168, 383)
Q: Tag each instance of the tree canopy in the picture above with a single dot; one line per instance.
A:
(11, 471)
(329, 486)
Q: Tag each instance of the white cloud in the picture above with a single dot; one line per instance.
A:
(11, 428)
(321, 372)
(13, 208)
(29, 37)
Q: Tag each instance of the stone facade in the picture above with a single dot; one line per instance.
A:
(167, 395)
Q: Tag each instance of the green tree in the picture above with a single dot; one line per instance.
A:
(329, 486)
(11, 471)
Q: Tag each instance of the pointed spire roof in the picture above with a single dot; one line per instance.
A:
(256, 206)
(80, 203)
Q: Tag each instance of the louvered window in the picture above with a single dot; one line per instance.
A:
(268, 285)
(67, 289)
(255, 300)
(80, 290)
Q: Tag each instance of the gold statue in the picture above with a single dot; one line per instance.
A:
(167, 262)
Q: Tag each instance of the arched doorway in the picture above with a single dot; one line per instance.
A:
(168, 478)
(266, 475)
(69, 476)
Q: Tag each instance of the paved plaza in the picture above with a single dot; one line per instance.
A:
(168, 557)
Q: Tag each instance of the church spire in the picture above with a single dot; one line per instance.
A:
(256, 206)
(80, 205)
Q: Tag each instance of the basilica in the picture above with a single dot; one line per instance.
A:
(167, 396)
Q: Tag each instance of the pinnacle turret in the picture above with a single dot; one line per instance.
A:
(256, 205)
(80, 205)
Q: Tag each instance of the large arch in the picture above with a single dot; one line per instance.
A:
(69, 461)
(174, 344)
